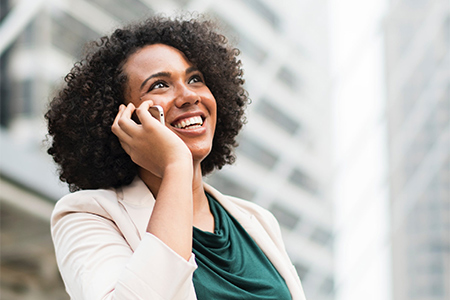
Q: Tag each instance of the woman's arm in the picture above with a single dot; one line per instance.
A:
(172, 217)
(161, 154)
(96, 262)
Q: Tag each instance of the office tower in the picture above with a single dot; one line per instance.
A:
(360, 189)
(418, 64)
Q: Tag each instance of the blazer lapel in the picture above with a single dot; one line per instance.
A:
(138, 202)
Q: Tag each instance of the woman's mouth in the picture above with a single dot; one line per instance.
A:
(189, 123)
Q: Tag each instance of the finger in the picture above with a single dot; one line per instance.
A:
(117, 130)
(143, 112)
(119, 113)
(123, 125)
(115, 126)
(128, 111)
(147, 103)
(143, 105)
(125, 122)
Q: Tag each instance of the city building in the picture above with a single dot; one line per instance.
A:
(283, 163)
(360, 184)
(418, 81)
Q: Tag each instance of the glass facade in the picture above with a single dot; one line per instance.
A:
(70, 35)
(274, 114)
(417, 35)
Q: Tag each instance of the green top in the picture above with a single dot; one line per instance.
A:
(231, 265)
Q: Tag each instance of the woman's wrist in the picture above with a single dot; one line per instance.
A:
(182, 166)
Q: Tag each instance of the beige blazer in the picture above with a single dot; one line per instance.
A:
(104, 252)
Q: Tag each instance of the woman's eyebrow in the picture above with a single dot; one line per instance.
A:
(191, 69)
(166, 74)
(159, 74)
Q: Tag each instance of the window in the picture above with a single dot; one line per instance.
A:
(264, 11)
(289, 78)
(30, 37)
(327, 286)
(300, 179)
(182, 3)
(27, 96)
(124, 10)
(284, 215)
(5, 88)
(302, 270)
(321, 236)
(246, 44)
(231, 187)
(258, 153)
(252, 49)
(70, 35)
(446, 31)
(275, 115)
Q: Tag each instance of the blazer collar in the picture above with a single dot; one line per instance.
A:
(136, 194)
(138, 202)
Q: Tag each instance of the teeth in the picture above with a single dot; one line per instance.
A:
(194, 122)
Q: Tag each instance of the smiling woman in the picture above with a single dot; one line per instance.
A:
(141, 224)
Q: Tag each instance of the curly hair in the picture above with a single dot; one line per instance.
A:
(79, 118)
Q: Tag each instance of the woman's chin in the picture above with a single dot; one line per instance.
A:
(198, 155)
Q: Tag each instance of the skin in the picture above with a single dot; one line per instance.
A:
(168, 157)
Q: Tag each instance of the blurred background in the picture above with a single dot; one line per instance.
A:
(347, 141)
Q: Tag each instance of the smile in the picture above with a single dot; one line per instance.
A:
(189, 123)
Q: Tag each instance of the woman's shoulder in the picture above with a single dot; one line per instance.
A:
(105, 208)
(83, 198)
(97, 202)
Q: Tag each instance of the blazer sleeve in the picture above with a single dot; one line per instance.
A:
(96, 262)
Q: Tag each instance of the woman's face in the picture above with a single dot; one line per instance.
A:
(162, 74)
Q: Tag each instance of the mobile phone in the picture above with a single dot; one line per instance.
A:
(156, 111)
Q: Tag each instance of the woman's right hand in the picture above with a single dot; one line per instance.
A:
(150, 145)
(157, 149)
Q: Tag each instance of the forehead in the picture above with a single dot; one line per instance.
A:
(155, 58)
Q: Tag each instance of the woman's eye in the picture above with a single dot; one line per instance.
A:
(158, 85)
(195, 78)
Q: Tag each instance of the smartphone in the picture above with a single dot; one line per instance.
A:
(156, 111)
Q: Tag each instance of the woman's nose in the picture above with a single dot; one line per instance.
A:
(186, 96)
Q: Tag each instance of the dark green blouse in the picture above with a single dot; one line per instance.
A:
(231, 265)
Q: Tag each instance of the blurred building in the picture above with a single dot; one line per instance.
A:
(418, 78)
(284, 154)
(360, 188)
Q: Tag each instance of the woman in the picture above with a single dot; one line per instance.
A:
(142, 224)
